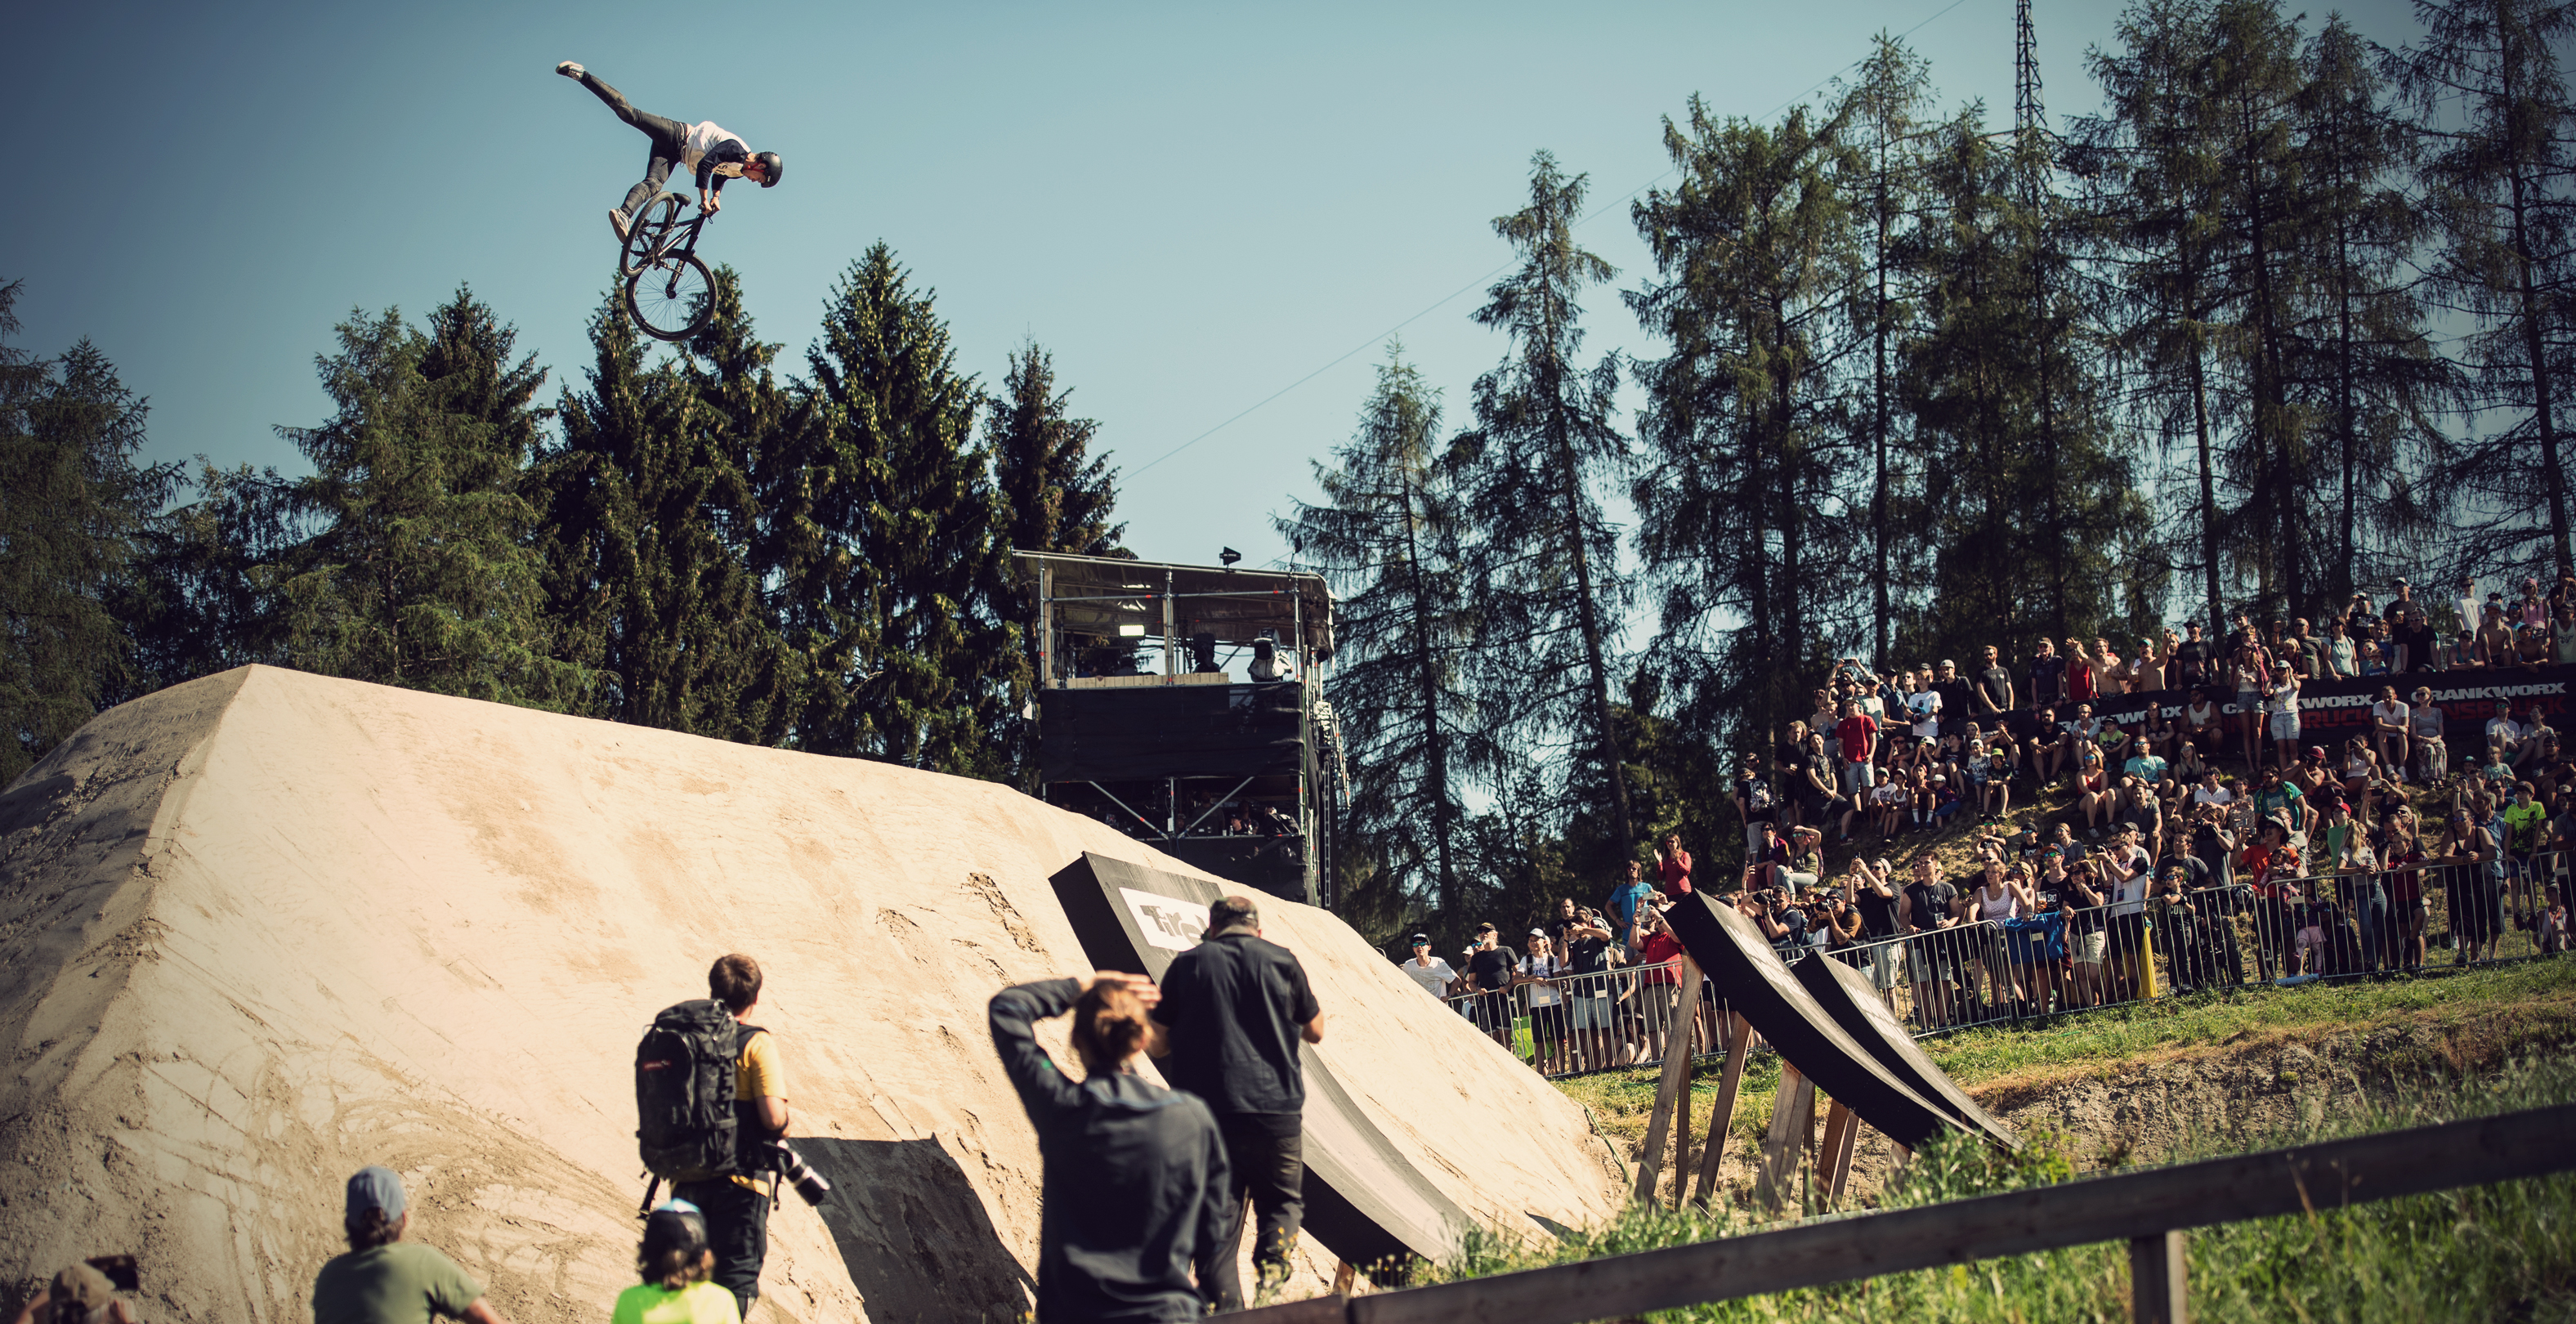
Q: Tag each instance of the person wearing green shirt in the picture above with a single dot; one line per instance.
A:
(2280, 797)
(2526, 829)
(2146, 765)
(675, 1261)
(386, 1280)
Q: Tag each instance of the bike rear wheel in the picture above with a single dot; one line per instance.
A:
(672, 299)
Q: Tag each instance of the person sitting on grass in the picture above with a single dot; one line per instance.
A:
(1990, 780)
(2094, 794)
(1887, 804)
(2552, 924)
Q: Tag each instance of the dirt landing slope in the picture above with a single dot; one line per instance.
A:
(264, 928)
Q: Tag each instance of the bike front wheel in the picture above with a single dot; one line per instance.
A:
(673, 298)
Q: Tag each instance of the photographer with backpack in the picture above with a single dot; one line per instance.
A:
(711, 1103)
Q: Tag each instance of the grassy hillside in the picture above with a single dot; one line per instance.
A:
(2499, 1252)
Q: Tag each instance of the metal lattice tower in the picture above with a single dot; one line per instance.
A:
(2028, 113)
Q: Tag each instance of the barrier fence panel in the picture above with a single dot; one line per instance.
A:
(2438, 914)
(1590, 1022)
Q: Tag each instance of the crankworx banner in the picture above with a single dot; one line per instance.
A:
(2332, 710)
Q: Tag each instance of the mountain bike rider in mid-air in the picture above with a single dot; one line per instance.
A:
(706, 148)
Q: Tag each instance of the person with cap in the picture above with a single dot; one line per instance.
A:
(1234, 1010)
(675, 1263)
(1136, 1207)
(1433, 974)
(385, 1279)
(1489, 973)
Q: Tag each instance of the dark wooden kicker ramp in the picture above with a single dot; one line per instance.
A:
(1827, 1021)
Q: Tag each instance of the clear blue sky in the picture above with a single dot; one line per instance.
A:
(1191, 206)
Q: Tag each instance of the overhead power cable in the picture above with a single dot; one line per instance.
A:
(1446, 299)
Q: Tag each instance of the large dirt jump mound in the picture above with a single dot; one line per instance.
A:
(259, 930)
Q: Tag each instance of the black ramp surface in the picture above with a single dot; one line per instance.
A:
(1365, 1202)
(1756, 985)
(1847, 995)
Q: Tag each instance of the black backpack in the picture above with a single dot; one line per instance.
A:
(684, 1092)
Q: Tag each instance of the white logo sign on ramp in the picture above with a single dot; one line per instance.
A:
(1166, 922)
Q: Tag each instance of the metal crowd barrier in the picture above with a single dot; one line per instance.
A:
(2437, 914)
(1591, 1022)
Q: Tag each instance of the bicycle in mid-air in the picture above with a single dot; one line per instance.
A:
(668, 290)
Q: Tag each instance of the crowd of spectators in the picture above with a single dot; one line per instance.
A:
(2223, 834)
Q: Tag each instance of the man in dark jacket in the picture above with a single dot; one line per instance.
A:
(1234, 1009)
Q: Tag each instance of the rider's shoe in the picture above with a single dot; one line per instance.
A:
(617, 221)
(570, 70)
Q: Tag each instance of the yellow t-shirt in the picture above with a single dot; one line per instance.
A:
(697, 1303)
(755, 1074)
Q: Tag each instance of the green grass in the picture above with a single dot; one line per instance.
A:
(2506, 1251)
(2539, 995)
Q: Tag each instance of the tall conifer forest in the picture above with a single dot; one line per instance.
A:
(2282, 322)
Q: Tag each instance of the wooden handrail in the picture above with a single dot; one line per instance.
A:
(2124, 1207)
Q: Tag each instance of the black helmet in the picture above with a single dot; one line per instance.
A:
(769, 168)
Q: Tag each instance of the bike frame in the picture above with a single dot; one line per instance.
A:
(671, 236)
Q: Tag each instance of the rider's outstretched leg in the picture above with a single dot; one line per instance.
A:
(668, 137)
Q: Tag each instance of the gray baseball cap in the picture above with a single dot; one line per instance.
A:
(375, 1188)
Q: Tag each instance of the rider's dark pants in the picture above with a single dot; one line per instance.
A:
(668, 136)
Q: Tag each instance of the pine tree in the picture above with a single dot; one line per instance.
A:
(2033, 524)
(1056, 495)
(2256, 83)
(1387, 535)
(1743, 526)
(928, 526)
(748, 422)
(2156, 200)
(641, 507)
(418, 570)
(74, 506)
(2364, 364)
(2501, 135)
(1551, 593)
(204, 599)
(1883, 109)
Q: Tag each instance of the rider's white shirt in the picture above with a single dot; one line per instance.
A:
(702, 139)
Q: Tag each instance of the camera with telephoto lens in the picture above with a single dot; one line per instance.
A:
(795, 1171)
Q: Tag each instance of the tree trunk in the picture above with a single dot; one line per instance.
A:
(2208, 491)
(2543, 397)
(1614, 764)
(1435, 751)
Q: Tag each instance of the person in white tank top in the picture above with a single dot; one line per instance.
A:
(710, 152)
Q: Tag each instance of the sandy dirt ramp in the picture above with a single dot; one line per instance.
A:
(264, 928)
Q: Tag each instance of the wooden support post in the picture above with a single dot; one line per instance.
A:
(1737, 1036)
(2156, 1287)
(1793, 1121)
(1682, 1130)
(1345, 1274)
(1833, 1164)
(1677, 1056)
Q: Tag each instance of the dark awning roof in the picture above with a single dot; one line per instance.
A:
(1095, 595)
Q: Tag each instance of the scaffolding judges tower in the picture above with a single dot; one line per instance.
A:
(1183, 704)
